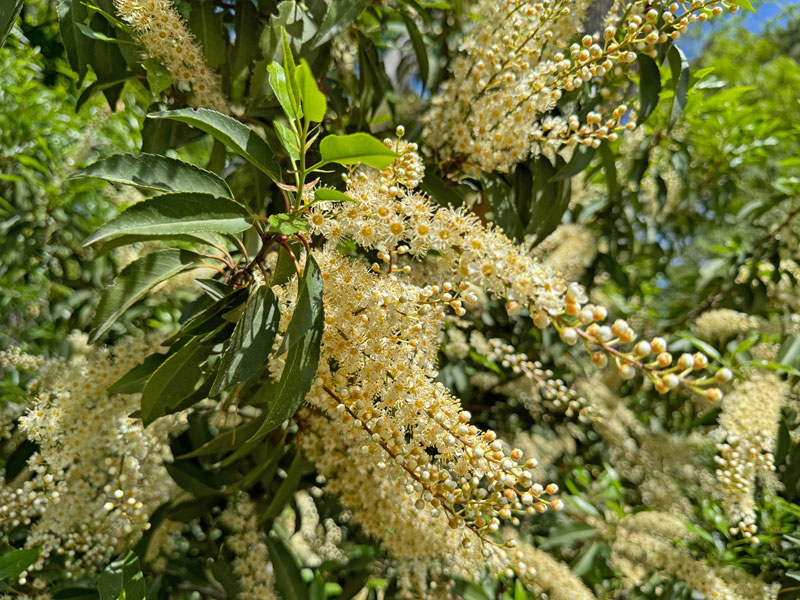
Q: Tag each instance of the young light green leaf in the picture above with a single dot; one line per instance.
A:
(177, 214)
(178, 377)
(288, 140)
(235, 135)
(331, 195)
(313, 100)
(291, 70)
(251, 342)
(356, 148)
(122, 580)
(135, 281)
(279, 85)
(287, 224)
(14, 562)
(155, 172)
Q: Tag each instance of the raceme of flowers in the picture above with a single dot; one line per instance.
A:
(90, 488)
(495, 111)
(165, 36)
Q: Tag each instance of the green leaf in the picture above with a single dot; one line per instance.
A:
(550, 198)
(284, 269)
(290, 69)
(96, 35)
(703, 346)
(505, 215)
(135, 281)
(745, 4)
(339, 17)
(177, 214)
(288, 581)
(580, 160)
(331, 195)
(211, 317)
(206, 24)
(235, 135)
(156, 172)
(193, 479)
(102, 85)
(158, 77)
(134, 380)
(251, 342)
(280, 87)
(356, 148)
(313, 100)
(122, 580)
(14, 562)
(679, 65)
(420, 51)
(9, 11)
(649, 86)
(288, 140)
(303, 339)
(176, 378)
(287, 224)
(208, 239)
(77, 46)
(299, 467)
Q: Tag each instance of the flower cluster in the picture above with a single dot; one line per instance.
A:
(166, 37)
(90, 488)
(496, 110)
(749, 428)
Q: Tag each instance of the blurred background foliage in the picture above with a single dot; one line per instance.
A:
(695, 216)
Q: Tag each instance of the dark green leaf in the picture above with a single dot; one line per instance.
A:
(312, 99)
(206, 24)
(155, 172)
(134, 380)
(209, 239)
(135, 281)
(580, 160)
(550, 199)
(287, 489)
(177, 214)
(439, 190)
(77, 46)
(789, 353)
(14, 562)
(96, 35)
(284, 269)
(308, 307)
(356, 148)
(193, 479)
(208, 319)
(679, 65)
(9, 10)
(251, 343)
(102, 85)
(178, 377)
(418, 44)
(235, 135)
(225, 442)
(339, 17)
(122, 580)
(158, 78)
(505, 216)
(288, 581)
(246, 26)
(649, 86)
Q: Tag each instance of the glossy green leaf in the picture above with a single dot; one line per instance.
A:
(280, 87)
(290, 67)
(679, 65)
(135, 281)
(649, 86)
(505, 215)
(156, 172)
(251, 343)
(176, 378)
(177, 214)
(235, 135)
(211, 317)
(308, 306)
(14, 562)
(312, 99)
(97, 35)
(208, 239)
(580, 160)
(122, 580)
(339, 17)
(356, 148)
